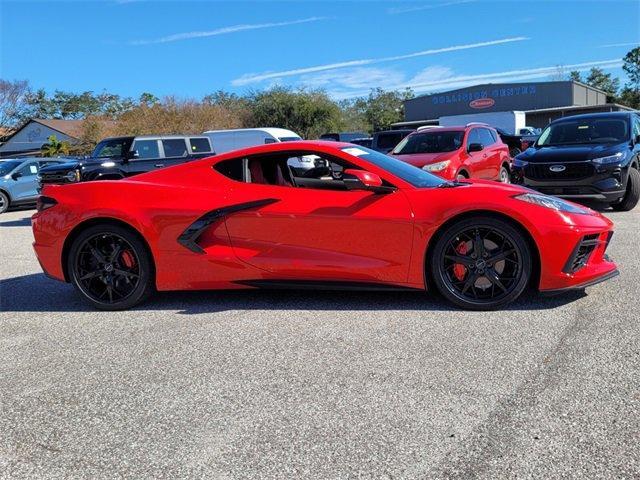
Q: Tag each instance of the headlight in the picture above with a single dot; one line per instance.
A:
(72, 176)
(552, 203)
(519, 163)
(610, 159)
(436, 167)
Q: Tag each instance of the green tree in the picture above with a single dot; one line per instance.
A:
(148, 99)
(54, 147)
(604, 81)
(575, 76)
(382, 108)
(630, 94)
(309, 113)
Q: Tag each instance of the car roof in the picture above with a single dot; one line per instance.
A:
(585, 116)
(273, 131)
(151, 137)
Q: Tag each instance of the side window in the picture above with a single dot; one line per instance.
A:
(486, 138)
(235, 169)
(269, 140)
(636, 127)
(174, 147)
(146, 149)
(473, 137)
(200, 145)
(29, 170)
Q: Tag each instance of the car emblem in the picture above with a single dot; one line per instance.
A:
(557, 168)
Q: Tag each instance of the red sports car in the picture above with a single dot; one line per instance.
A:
(358, 220)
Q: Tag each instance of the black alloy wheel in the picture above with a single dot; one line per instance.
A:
(481, 263)
(110, 267)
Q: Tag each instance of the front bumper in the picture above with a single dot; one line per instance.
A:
(581, 180)
(576, 258)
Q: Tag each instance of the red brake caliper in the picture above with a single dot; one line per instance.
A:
(459, 270)
(128, 259)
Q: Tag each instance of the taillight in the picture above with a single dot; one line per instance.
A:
(45, 202)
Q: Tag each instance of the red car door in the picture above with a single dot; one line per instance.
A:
(325, 234)
(474, 162)
(491, 154)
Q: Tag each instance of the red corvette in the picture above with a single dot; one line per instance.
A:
(358, 220)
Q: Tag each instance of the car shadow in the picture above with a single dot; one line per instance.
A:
(23, 222)
(38, 293)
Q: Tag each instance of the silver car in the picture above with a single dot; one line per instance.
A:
(19, 182)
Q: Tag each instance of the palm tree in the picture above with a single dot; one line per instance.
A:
(55, 148)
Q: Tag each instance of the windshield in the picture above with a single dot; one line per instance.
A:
(289, 139)
(430, 142)
(410, 174)
(116, 147)
(586, 130)
(8, 165)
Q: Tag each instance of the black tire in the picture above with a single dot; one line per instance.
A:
(505, 175)
(513, 152)
(462, 176)
(111, 267)
(632, 195)
(491, 271)
(4, 202)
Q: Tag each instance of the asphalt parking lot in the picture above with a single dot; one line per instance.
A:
(316, 384)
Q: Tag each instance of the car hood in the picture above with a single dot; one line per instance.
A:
(422, 159)
(569, 153)
(75, 164)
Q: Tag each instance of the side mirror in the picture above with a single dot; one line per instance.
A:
(362, 180)
(133, 154)
(476, 147)
(16, 175)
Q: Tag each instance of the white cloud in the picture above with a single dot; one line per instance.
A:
(459, 81)
(358, 82)
(224, 30)
(631, 44)
(396, 10)
(354, 78)
(259, 77)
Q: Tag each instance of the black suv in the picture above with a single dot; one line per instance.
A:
(119, 157)
(593, 156)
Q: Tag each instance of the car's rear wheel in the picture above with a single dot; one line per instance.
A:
(4, 202)
(481, 263)
(505, 175)
(632, 195)
(111, 267)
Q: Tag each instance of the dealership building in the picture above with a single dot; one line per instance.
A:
(542, 102)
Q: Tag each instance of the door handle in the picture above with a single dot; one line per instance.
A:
(159, 164)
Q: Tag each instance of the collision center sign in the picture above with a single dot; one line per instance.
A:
(482, 103)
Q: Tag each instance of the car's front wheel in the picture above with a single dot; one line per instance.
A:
(4, 202)
(632, 195)
(111, 267)
(480, 263)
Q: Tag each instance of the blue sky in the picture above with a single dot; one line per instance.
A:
(190, 49)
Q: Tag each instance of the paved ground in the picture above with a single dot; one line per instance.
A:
(317, 385)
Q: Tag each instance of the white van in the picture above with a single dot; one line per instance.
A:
(226, 140)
